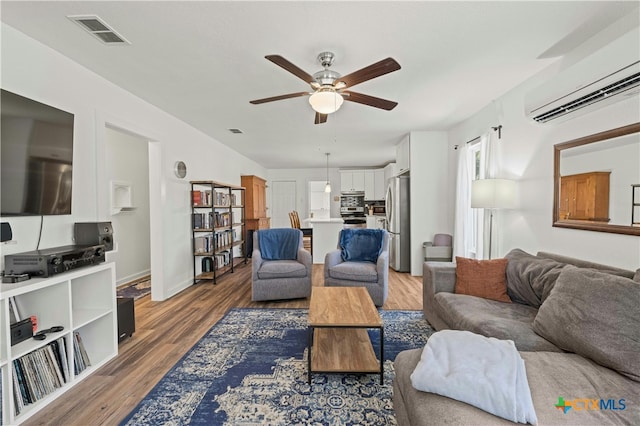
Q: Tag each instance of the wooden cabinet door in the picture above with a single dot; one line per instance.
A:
(260, 204)
(585, 196)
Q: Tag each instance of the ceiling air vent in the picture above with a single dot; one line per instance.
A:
(236, 131)
(99, 29)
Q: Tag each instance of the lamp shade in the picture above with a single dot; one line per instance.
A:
(493, 194)
(326, 101)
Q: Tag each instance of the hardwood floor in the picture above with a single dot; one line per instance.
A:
(165, 331)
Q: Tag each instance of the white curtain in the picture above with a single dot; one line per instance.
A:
(471, 237)
(462, 236)
(488, 169)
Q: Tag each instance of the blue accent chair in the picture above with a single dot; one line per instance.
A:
(280, 279)
(373, 276)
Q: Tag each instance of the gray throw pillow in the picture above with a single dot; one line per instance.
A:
(636, 277)
(530, 278)
(596, 315)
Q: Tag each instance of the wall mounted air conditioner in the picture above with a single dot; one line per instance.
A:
(608, 75)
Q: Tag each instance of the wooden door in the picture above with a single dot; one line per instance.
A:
(283, 201)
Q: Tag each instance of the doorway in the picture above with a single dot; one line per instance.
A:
(105, 121)
(127, 163)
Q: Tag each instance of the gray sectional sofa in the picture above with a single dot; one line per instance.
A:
(576, 324)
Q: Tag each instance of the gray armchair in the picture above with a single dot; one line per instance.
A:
(280, 279)
(373, 276)
(440, 250)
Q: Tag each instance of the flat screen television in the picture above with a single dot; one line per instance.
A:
(36, 157)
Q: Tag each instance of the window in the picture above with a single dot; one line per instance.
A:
(475, 158)
(469, 240)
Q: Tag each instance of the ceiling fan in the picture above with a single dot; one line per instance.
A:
(329, 88)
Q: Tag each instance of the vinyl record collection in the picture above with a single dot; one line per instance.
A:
(41, 372)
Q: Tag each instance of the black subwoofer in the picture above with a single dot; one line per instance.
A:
(126, 318)
(91, 233)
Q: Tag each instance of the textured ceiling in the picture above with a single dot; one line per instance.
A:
(203, 61)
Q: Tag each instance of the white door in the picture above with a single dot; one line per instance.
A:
(283, 201)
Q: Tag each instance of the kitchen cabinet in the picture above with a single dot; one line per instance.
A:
(380, 185)
(371, 181)
(371, 222)
(369, 185)
(375, 222)
(351, 180)
(389, 171)
(403, 156)
(585, 196)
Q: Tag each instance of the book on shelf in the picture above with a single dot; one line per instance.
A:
(201, 198)
(222, 259)
(202, 220)
(225, 199)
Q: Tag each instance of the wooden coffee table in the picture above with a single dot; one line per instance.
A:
(338, 340)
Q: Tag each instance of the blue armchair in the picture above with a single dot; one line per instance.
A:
(373, 276)
(283, 278)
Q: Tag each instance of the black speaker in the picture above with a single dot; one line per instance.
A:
(91, 233)
(126, 318)
(7, 235)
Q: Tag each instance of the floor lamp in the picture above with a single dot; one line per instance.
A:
(493, 194)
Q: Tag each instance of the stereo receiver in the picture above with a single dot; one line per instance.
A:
(47, 262)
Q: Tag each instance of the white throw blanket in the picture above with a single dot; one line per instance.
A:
(485, 372)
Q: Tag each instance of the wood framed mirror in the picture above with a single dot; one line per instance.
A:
(596, 182)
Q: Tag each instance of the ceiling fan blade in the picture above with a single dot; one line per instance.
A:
(382, 67)
(320, 118)
(279, 98)
(282, 62)
(369, 100)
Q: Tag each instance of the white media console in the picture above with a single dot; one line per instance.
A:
(83, 301)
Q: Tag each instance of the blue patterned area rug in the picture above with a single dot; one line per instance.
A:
(251, 369)
(135, 289)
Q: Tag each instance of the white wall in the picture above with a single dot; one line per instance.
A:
(430, 213)
(38, 72)
(302, 177)
(127, 160)
(526, 153)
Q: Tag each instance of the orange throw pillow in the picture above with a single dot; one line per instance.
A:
(482, 278)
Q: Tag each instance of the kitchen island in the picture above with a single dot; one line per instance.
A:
(325, 235)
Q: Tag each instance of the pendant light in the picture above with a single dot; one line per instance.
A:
(327, 187)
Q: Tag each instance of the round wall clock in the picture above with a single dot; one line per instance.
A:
(180, 169)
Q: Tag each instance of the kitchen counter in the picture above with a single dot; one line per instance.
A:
(325, 235)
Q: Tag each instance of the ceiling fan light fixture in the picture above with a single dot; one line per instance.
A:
(326, 101)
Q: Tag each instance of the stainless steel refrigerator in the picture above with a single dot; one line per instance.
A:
(398, 223)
